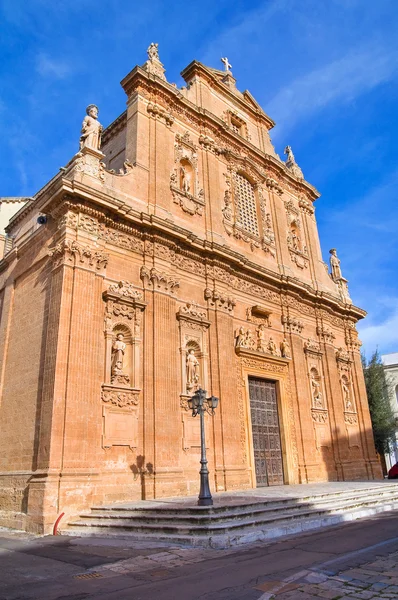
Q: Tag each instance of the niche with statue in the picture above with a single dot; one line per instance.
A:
(122, 377)
(184, 179)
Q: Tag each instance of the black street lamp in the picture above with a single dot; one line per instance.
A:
(199, 405)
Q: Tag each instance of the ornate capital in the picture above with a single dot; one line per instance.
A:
(124, 290)
(312, 347)
(292, 324)
(70, 252)
(342, 355)
(158, 112)
(158, 280)
(219, 300)
(326, 334)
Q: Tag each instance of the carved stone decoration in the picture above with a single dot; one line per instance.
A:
(125, 289)
(120, 397)
(273, 185)
(342, 355)
(158, 112)
(207, 143)
(240, 218)
(184, 179)
(153, 64)
(158, 280)
(219, 300)
(336, 275)
(256, 340)
(89, 162)
(352, 340)
(118, 350)
(325, 334)
(285, 348)
(292, 324)
(91, 129)
(291, 163)
(122, 328)
(193, 327)
(259, 315)
(312, 346)
(295, 236)
(69, 252)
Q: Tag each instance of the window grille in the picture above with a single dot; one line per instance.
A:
(246, 205)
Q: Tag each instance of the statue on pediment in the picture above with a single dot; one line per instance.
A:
(91, 129)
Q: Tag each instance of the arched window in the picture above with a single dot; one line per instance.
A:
(245, 201)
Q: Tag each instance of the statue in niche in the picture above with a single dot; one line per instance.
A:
(261, 338)
(240, 337)
(91, 129)
(347, 399)
(118, 350)
(192, 370)
(185, 180)
(285, 348)
(272, 349)
(335, 265)
(317, 401)
(153, 52)
(249, 340)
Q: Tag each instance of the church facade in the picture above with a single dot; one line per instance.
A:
(175, 251)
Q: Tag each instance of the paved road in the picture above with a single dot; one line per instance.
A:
(356, 560)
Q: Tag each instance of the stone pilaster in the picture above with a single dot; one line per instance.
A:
(167, 436)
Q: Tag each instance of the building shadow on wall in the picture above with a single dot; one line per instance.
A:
(141, 471)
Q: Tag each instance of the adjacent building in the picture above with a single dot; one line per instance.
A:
(175, 251)
(390, 365)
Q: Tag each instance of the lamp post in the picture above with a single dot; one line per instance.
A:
(199, 404)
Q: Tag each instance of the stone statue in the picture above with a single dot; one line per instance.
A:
(347, 399)
(289, 155)
(91, 129)
(192, 366)
(316, 393)
(118, 349)
(240, 337)
(285, 348)
(272, 347)
(185, 180)
(153, 53)
(261, 338)
(249, 341)
(335, 265)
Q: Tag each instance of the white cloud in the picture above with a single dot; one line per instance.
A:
(382, 335)
(340, 81)
(47, 66)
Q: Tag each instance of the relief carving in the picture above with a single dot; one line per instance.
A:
(121, 398)
(292, 324)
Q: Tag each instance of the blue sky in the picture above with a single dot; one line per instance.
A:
(325, 70)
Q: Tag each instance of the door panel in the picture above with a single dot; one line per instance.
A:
(266, 434)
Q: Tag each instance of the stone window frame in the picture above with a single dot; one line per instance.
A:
(237, 124)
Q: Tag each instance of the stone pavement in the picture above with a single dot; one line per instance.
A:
(376, 579)
(356, 560)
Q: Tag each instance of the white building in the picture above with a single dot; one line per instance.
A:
(390, 363)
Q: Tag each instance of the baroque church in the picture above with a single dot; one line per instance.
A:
(175, 251)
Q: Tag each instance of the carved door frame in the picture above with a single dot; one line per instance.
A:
(275, 369)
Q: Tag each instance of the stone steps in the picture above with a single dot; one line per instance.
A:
(225, 525)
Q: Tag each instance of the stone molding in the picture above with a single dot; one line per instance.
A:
(326, 334)
(192, 313)
(312, 347)
(158, 112)
(71, 253)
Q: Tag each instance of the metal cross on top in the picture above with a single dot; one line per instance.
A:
(227, 65)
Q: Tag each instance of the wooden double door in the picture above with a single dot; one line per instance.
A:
(266, 432)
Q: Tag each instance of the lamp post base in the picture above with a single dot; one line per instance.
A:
(205, 502)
